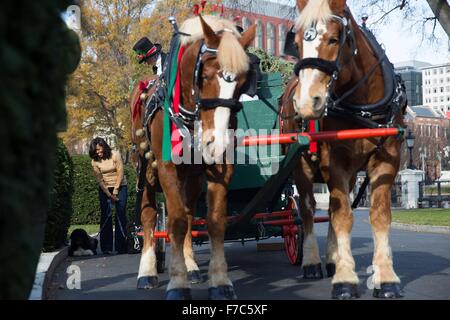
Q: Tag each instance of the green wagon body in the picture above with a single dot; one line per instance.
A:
(258, 181)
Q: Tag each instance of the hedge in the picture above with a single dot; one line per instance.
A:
(37, 52)
(60, 211)
(86, 204)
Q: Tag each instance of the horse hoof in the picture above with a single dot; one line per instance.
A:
(331, 269)
(179, 294)
(388, 290)
(222, 293)
(313, 271)
(194, 276)
(343, 291)
(148, 282)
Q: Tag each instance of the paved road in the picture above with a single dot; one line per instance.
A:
(421, 260)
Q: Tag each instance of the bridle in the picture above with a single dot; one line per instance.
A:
(331, 68)
(190, 116)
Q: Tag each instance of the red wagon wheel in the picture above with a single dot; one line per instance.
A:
(293, 235)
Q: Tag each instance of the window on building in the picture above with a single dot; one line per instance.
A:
(442, 89)
(246, 23)
(270, 45)
(259, 35)
(281, 38)
(441, 70)
(434, 71)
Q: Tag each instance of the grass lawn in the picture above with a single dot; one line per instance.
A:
(90, 228)
(430, 217)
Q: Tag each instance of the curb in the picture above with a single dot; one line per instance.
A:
(48, 261)
(421, 228)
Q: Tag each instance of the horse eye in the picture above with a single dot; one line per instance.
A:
(333, 41)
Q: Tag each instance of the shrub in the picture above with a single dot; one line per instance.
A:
(86, 204)
(35, 59)
(272, 64)
(60, 211)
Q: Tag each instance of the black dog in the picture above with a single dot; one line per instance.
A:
(81, 244)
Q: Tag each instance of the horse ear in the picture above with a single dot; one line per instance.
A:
(338, 5)
(248, 36)
(301, 4)
(211, 39)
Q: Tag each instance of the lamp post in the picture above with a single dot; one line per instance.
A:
(410, 144)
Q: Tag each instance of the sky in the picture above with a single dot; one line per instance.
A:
(400, 36)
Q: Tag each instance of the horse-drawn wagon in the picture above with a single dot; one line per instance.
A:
(342, 72)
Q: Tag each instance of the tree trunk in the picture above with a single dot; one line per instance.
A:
(441, 10)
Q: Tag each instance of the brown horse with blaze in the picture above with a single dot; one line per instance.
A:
(338, 66)
(215, 45)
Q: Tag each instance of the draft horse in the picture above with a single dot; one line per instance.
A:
(147, 185)
(345, 81)
(212, 69)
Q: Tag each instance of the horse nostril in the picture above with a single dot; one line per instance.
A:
(210, 142)
(317, 102)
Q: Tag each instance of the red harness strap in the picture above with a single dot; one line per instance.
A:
(177, 145)
(137, 105)
(313, 127)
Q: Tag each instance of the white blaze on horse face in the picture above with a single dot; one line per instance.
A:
(221, 137)
(308, 77)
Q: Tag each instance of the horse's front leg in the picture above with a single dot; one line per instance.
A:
(192, 189)
(148, 275)
(304, 179)
(386, 282)
(220, 286)
(345, 280)
(177, 226)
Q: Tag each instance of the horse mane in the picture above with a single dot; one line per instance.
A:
(231, 55)
(314, 11)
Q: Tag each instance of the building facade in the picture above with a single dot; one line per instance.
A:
(436, 87)
(411, 74)
(272, 20)
(431, 129)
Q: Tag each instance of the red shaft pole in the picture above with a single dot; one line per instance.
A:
(289, 138)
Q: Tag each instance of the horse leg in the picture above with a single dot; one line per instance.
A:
(192, 192)
(331, 249)
(345, 280)
(304, 179)
(177, 226)
(331, 240)
(382, 175)
(220, 287)
(148, 275)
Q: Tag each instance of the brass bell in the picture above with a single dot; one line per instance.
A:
(139, 132)
(154, 164)
(144, 145)
(149, 155)
(143, 96)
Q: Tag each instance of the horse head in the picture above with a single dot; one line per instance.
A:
(213, 69)
(326, 45)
